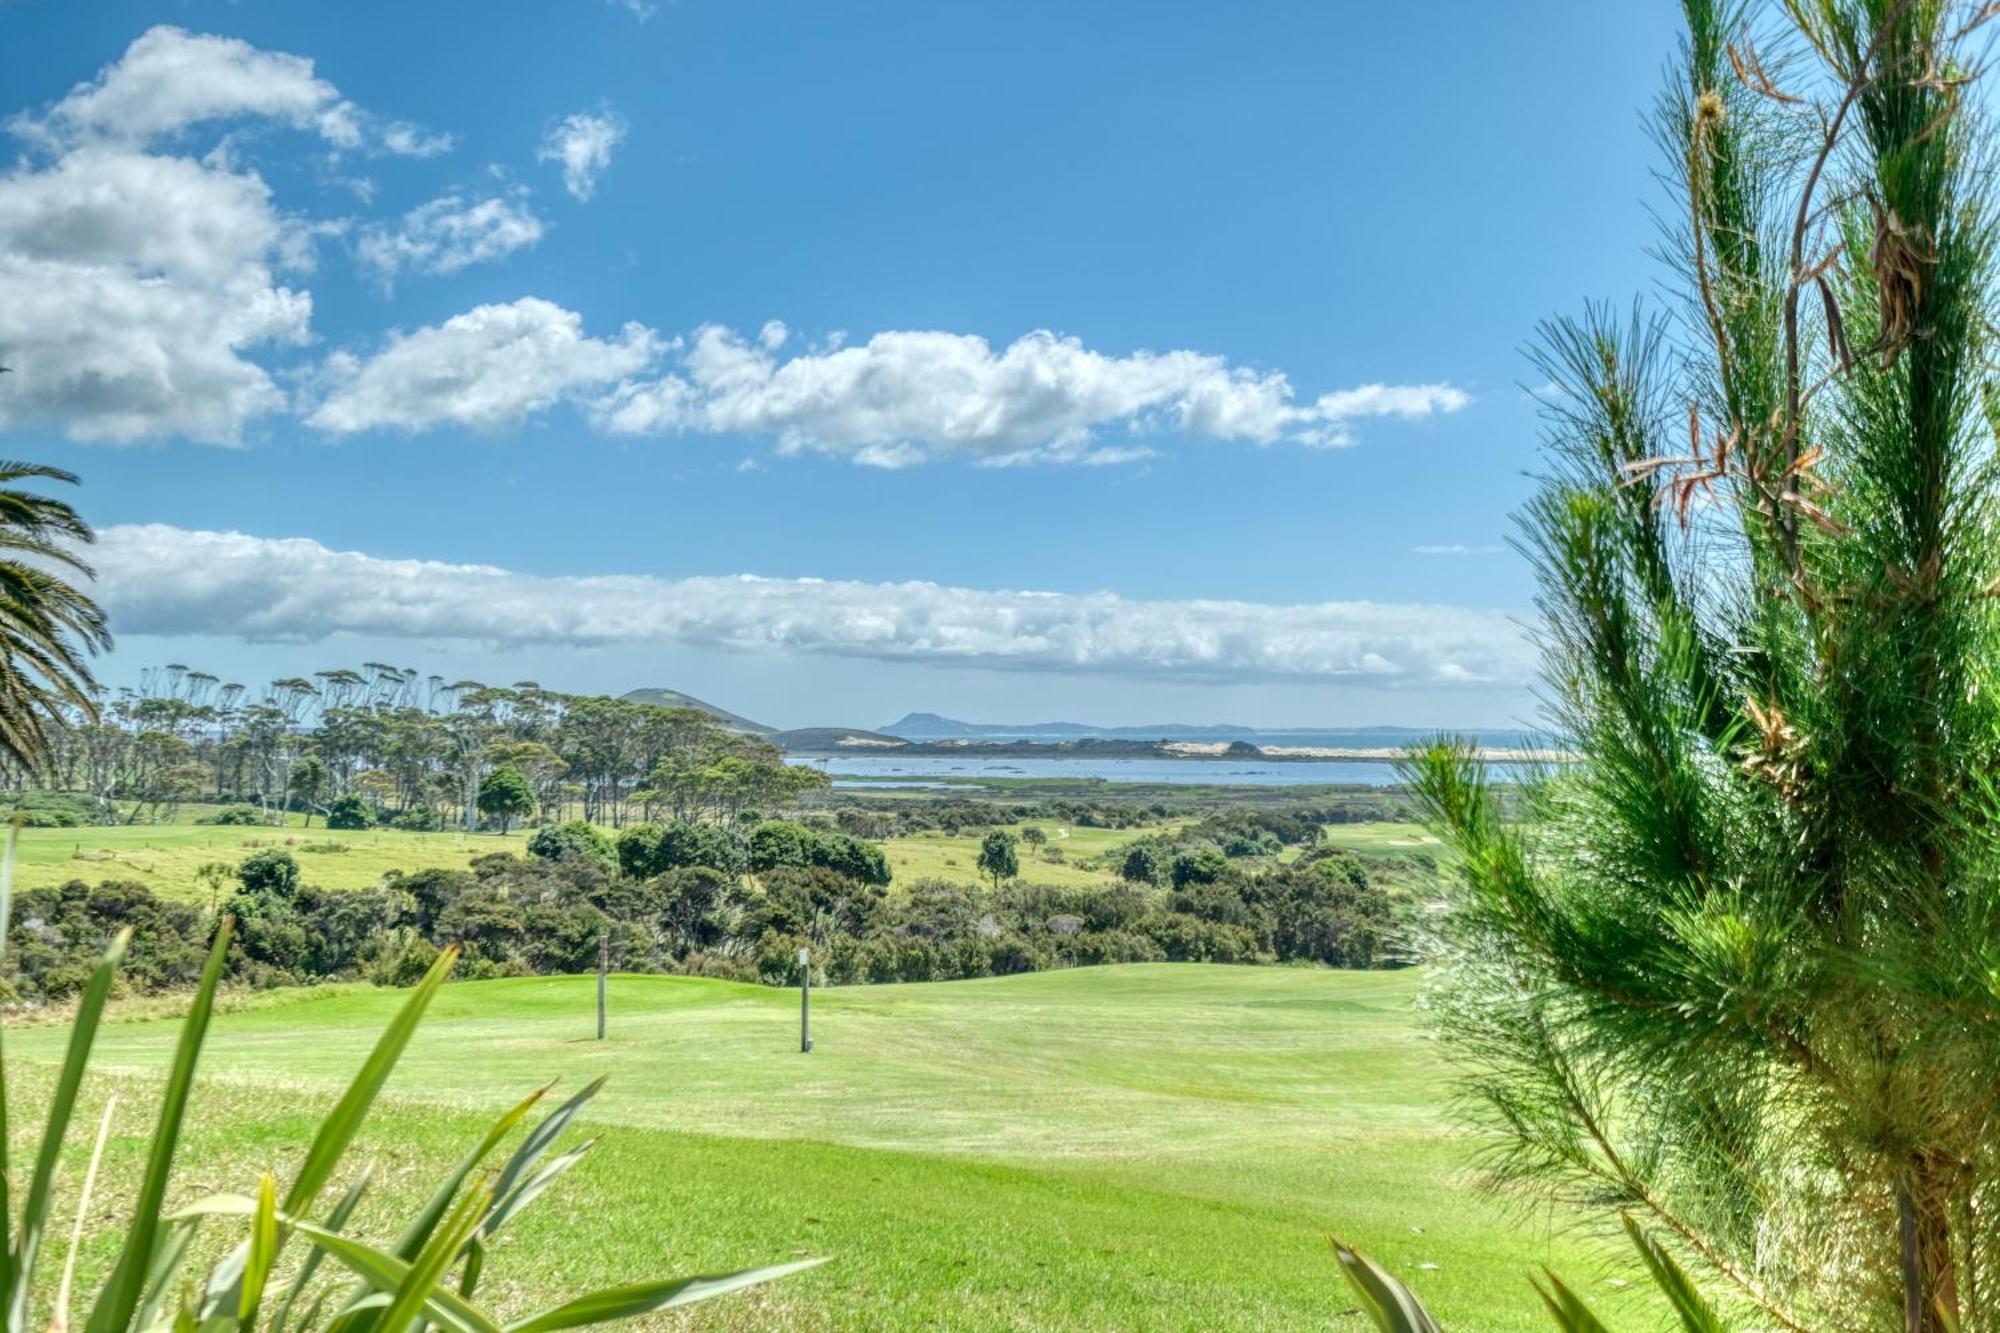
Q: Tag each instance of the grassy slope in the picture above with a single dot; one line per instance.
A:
(165, 857)
(1157, 1146)
(942, 856)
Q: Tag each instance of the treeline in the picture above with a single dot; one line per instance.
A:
(694, 899)
(414, 752)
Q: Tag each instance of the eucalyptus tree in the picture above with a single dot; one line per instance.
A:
(1738, 972)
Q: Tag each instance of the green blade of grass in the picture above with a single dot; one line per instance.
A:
(167, 1259)
(1392, 1306)
(385, 1273)
(426, 1273)
(1567, 1308)
(34, 1212)
(475, 1264)
(420, 1228)
(315, 1256)
(123, 1289)
(344, 1121)
(503, 1211)
(649, 1297)
(263, 1253)
(1696, 1314)
(539, 1142)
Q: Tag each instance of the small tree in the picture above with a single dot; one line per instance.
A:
(997, 856)
(271, 872)
(506, 795)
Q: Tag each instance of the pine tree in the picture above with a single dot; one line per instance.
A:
(1736, 970)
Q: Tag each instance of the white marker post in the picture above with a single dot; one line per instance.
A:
(805, 1000)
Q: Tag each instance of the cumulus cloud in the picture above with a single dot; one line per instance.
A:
(138, 283)
(131, 285)
(491, 366)
(447, 234)
(904, 397)
(170, 79)
(157, 579)
(1456, 548)
(581, 144)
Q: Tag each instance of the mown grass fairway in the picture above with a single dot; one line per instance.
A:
(1150, 1147)
(1382, 836)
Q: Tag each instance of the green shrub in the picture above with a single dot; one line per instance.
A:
(53, 809)
(241, 814)
(272, 872)
(646, 850)
(351, 811)
(1200, 867)
(575, 840)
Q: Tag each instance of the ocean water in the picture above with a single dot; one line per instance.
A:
(877, 770)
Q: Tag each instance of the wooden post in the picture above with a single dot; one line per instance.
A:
(805, 1001)
(603, 967)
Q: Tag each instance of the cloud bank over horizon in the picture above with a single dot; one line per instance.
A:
(156, 579)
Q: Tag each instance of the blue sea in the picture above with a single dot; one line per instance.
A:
(885, 770)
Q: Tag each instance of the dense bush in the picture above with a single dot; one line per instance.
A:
(645, 850)
(780, 843)
(350, 811)
(573, 841)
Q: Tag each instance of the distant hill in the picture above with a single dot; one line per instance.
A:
(675, 699)
(930, 726)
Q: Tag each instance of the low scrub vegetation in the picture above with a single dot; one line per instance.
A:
(693, 898)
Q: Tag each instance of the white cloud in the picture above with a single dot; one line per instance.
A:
(449, 233)
(131, 286)
(904, 397)
(138, 283)
(170, 79)
(640, 9)
(1456, 549)
(582, 145)
(156, 579)
(488, 367)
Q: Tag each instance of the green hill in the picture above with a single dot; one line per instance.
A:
(675, 699)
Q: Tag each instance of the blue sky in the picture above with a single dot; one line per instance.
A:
(439, 295)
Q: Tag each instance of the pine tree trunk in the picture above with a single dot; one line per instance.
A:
(1930, 1277)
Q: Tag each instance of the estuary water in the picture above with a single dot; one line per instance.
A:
(872, 770)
